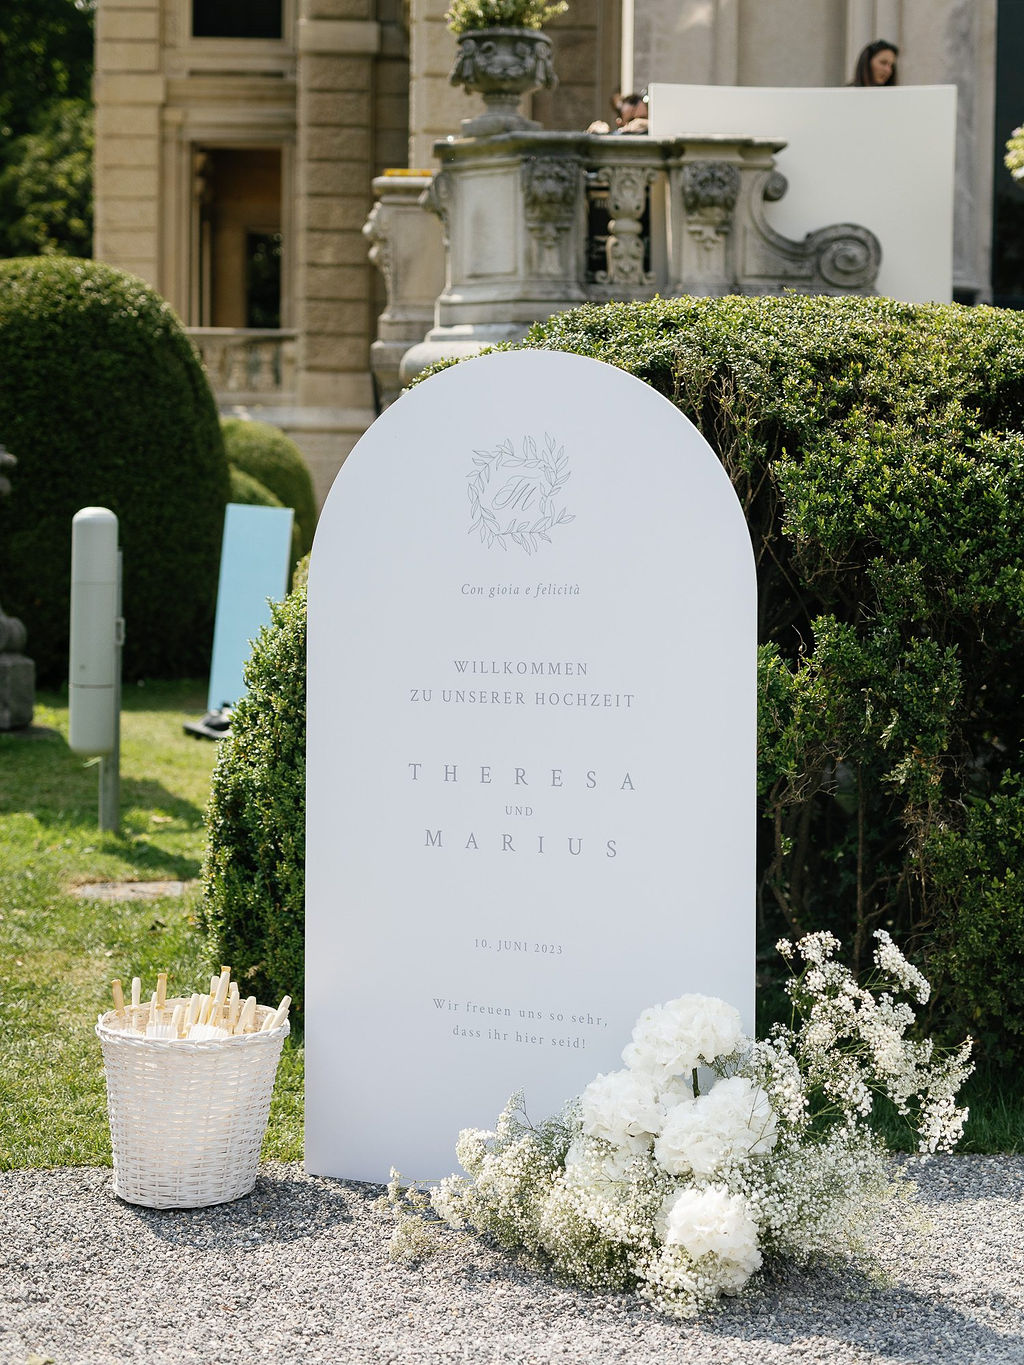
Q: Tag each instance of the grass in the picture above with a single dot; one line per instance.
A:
(59, 952)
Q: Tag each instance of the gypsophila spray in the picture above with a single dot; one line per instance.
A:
(648, 1183)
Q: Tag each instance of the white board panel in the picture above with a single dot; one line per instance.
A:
(882, 158)
(254, 571)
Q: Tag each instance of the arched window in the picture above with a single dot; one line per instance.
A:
(236, 18)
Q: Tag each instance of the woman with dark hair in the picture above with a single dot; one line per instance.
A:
(876, 65)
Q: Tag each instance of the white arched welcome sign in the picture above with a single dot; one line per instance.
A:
(531, 767)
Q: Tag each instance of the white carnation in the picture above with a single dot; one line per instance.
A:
(622, 1107)
(671, 1040)
(712, 1220)
(733, 1121)
(674, 1092)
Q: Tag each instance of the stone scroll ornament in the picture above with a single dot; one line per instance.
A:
(437, 199)
(842, 258)
(379, 252)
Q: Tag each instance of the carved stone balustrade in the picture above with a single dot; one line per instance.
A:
(538, 222)
(247, 364)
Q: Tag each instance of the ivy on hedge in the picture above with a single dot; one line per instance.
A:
(104, 403)
(877, 450)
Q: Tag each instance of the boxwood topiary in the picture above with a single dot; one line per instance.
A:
(877, 450)
(104, 403)
(271, 457)
(254, 872)
(249, 491)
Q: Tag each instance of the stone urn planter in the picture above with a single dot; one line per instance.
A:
(502, 65)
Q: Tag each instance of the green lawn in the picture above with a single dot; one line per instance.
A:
(59, 952)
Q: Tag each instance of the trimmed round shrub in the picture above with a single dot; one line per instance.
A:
(254, 873)
(877, 450)
(271, 457)
(104, 403)
(247, 490)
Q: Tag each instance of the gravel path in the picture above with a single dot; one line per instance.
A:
(299, 1272)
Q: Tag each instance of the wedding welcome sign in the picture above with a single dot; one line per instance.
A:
(531, 750)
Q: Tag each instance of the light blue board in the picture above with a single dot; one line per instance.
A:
(254, 564)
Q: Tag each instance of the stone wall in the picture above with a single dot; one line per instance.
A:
(337, 42)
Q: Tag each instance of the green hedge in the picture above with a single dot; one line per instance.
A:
(266, 454)
(254, 873)
(249, 491)
(876, 448)
(104, 403)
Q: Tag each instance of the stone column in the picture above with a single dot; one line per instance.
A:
(681, 42)
(129, 91)
(337, 41)
(868, 20)
(436, 108)
(965, 35)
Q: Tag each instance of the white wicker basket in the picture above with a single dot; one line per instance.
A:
(187, 1118)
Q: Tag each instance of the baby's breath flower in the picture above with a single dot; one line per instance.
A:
(644, 1184)
(818, 947)
(888, 958)
(412, 1240)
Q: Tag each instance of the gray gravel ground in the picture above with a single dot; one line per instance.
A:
(299, 1272)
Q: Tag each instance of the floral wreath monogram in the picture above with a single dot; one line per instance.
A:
(512, 497)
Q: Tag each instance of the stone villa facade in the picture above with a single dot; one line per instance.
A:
(237, 143)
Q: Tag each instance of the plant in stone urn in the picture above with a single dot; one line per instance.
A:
(502, 55)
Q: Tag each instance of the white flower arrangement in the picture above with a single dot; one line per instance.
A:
(649, 1183)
